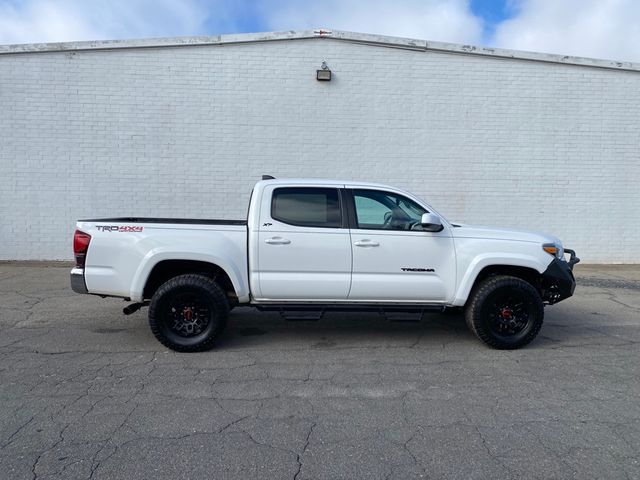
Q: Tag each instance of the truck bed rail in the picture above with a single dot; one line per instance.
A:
(192, 221)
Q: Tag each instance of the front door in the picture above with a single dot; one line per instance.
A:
(304, 248)
(393, 259)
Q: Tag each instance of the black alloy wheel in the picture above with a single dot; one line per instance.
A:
(188, 314)
(509, 312)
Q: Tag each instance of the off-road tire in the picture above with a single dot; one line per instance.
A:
(484, 303)
(192, 290)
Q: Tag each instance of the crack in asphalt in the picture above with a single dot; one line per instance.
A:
(304, 450)
(20, 428)
(96, 464)
(51, 448)
(490, 453)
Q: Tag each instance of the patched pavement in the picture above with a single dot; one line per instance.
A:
(87, 392)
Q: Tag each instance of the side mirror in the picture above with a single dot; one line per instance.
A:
(431, 223)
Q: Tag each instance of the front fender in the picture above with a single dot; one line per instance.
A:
(480, 262)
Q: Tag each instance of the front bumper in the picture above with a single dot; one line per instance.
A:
(78, 284)
(558, 282)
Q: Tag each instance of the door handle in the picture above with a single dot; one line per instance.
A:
(366, 243)
(277, 241)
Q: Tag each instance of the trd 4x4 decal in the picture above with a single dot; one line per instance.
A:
(116, 228)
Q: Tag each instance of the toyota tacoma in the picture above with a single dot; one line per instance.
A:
(316, 246)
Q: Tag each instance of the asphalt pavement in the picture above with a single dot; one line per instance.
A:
(86, 392)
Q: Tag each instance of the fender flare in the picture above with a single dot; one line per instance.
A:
(160, 254)
(489, 260)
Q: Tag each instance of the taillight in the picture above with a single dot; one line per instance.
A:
(80, 246)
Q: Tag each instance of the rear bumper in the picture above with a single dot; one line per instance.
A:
(558, 282)
(78, 284)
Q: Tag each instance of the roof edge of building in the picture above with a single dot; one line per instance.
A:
(363, 38)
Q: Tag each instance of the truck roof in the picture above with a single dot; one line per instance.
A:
(320, 181)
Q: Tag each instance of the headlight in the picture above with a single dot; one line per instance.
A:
(554, 249)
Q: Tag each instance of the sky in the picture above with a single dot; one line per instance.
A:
(607, 29)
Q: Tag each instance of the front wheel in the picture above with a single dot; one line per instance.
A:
(505, 312)
(188, 312)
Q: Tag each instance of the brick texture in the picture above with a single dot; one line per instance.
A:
(186, 131)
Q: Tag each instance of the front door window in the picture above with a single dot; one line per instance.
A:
(377, 210)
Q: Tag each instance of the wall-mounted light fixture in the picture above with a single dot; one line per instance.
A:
(324, 74)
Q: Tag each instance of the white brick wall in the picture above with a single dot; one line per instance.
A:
(187, 131)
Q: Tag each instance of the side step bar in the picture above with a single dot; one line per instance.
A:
(314, 312)
(304, 316)
(404, 317)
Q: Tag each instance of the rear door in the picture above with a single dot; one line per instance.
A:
(304, 246)
(393, 259)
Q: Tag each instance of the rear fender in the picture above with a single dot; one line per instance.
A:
(236, 273)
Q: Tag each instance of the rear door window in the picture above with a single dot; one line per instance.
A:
(307, 207)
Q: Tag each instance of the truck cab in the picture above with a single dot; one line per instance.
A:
(342, 242)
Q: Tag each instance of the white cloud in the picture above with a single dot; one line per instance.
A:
(443, 20)
(68, 20)
(590, 28)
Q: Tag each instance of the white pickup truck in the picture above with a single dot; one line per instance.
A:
(313, 245)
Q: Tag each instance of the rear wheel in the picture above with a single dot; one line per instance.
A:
(188, 312)
(505, 312)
